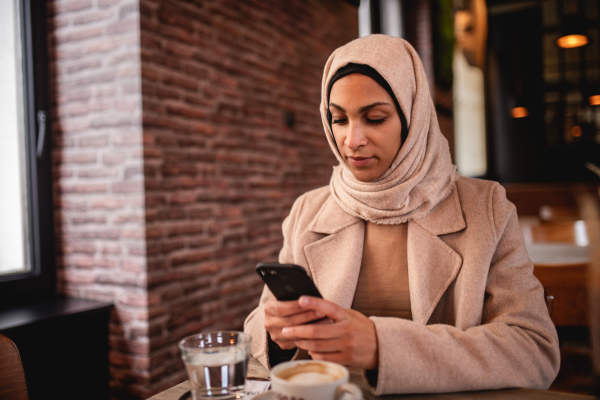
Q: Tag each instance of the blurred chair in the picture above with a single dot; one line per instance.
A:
(559, 251)
(12, 375)
(549, 300)
(558, 231)
(557, 213)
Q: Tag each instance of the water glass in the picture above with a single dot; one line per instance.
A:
(216, 364)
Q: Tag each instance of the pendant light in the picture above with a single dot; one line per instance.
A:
(573, 32)
(519, 112)
(592, 93)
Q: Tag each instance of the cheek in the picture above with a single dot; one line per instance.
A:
(393, 146)
(339, 137)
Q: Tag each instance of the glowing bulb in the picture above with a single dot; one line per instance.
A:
(595, 100)
(576, 131)
(519, 112)
(572, 41)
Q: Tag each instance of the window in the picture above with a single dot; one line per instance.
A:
(14, 231)
(27, 272)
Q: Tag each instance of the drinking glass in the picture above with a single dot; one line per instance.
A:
(216, 363)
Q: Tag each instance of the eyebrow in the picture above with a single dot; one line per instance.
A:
(362, 109)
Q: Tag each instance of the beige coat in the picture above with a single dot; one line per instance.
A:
(479, 316)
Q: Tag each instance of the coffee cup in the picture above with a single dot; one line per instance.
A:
(312, 380)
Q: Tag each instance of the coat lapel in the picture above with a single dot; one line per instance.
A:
(432, 260)
(334, 261)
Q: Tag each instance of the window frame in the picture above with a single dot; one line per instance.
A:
(39, 283)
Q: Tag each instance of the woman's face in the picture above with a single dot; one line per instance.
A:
(366, 126)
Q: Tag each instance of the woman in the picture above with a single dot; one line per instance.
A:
(425, 278)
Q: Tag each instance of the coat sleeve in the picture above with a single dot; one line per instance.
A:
(515, 345)
(255, 322)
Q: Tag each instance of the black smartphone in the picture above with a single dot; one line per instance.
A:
(287, 281)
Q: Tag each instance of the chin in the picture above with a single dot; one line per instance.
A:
(363, 177)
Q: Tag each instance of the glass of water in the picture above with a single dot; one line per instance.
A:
(216, 363)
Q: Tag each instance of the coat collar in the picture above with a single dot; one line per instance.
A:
(429, 258)
(446, 218)
(331, 218)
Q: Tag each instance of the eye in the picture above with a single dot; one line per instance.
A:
(339, 121)
(375, 121)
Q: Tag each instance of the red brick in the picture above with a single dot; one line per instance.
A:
(108, 203)
(61, 7)
(98, 295)
(78, 277)
(97, 173)
(86, 248)
(120, 359)
(78, 158)
(107, 3)
(123, 26)
(191, 257)
(133, 299)
(83, 188)
(133, 265)
(127, 187)
(92, 16)
(78, 35)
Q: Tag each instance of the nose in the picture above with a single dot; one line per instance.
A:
(356, 137)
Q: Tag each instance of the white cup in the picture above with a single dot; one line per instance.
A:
(312, 380)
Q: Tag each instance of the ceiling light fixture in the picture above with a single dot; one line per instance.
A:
(573, 33)
(519, 112)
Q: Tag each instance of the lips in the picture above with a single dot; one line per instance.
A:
(359, 161)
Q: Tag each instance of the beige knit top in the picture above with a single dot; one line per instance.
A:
(382, 288)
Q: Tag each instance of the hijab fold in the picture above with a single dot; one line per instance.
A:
(422, 174)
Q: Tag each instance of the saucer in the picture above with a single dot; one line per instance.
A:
(268, 395)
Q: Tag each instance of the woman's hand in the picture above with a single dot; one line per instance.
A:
(282, 314)
(349, 338)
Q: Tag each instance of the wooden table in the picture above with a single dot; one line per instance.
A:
(562, 268)
(557, 253)
(257, 371)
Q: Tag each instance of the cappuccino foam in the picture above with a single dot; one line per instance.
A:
(310, 378)
(310, 374)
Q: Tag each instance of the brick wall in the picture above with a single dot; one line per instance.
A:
(98, 169)
(183, 131)
(222, 167)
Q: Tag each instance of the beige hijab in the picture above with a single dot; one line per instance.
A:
(422, 174)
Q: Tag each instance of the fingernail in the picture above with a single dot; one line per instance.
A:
(285, 331)
(303, 301)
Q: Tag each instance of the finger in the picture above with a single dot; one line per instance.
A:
(322, 306)
(272, 322)
(312, 331)
(283, 308)
(320, 346)
(324, 321)
(336, 357)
